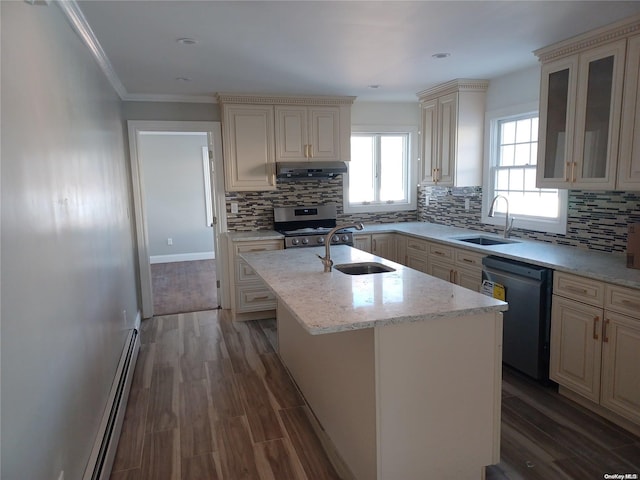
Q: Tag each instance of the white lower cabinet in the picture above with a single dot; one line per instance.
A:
(251, 299)
(380, 244)
(595, 345)
(456, 265)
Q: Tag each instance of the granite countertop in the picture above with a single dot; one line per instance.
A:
(334, 302)
(608, 267)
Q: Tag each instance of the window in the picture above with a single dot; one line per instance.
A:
(380, 170)
(512, 159)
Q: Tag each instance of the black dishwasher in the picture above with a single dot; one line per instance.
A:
(527, 323)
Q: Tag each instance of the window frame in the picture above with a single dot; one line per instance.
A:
(539, 224)
(412, 162)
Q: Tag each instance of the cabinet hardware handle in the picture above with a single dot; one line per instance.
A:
(257, 250)
(605, 338)
(468, 260)
(438, 252)
(567, 177)
(262, 297)
(451, 276)
(571, 288)
(595, 329)
(573, 171)
(631, 304)
(433, 175)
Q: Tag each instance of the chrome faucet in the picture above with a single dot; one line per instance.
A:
(508, 226)
(326, 260)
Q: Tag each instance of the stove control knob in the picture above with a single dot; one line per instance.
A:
(335, 239)
(320, 239)
(295, 241)
(345, 238)
(305, 241)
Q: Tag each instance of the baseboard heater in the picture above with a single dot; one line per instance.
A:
(106, 444)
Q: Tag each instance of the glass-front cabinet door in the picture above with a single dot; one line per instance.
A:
(598, 111)
(581, 101)
(557, 107)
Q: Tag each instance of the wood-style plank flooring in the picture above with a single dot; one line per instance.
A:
(180, 287)
(211, 400)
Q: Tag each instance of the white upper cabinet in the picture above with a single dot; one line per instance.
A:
(587, 135)
(452, 133)
(258, 131)
(580, 105)
(312, 133)
(629, 159)
(247, 138)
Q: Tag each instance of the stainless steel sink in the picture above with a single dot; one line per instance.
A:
(486, 240)
(364, 268)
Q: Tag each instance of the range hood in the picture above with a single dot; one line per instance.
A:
(289, 171)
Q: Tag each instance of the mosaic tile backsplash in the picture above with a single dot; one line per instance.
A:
(255, 209)
(597, 220)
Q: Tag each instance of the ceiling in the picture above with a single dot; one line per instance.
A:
(327, 47)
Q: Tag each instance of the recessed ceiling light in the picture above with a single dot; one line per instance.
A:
(183, 79)
(187, 41)
(374, 86)
(441, 55)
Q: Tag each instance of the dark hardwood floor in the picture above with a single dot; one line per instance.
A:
(211, 400)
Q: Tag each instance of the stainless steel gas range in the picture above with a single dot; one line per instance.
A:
(307, 226)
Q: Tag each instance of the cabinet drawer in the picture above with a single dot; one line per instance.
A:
(416, 247)
(258, 246)
(466, 258)
(622, 300)
(254, 298)
(441, 251)
(579, 288)
(244, 273)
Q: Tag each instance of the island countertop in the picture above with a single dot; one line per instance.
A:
(334, 302)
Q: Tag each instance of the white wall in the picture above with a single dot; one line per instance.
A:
(385, 113)
(174, 193)
(67, 271)
(516, 88)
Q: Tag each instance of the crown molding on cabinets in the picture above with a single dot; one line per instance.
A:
(591, 39)
(453, 86)
(258, 99)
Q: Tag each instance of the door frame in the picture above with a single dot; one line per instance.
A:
(214, 141)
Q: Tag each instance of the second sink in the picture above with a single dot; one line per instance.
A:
(486, 240)
(364, 268)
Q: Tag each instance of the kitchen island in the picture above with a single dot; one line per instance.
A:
(401, 370)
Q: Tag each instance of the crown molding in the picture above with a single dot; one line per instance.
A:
(79, 23)
(259, 99)
(457, 85)
(152, 97)
(593, 38)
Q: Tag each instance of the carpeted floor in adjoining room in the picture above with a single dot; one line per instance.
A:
(181, 287)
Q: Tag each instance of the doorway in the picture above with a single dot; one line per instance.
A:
(179, 206)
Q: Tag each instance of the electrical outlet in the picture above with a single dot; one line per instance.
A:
(426, 200)
(466, 204)
(169, 241)
(234, 207)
